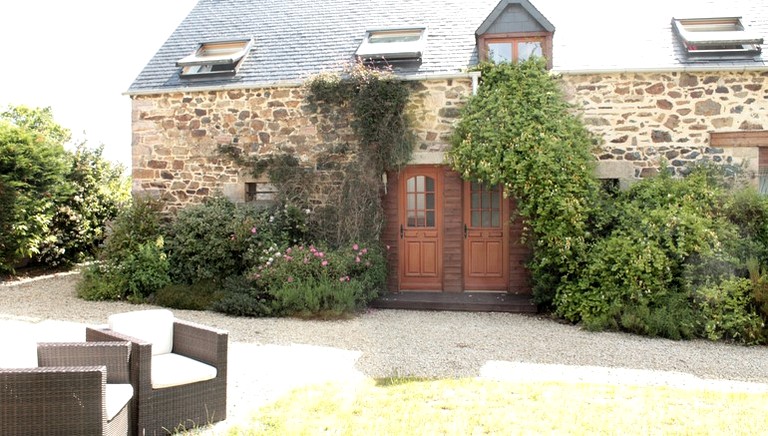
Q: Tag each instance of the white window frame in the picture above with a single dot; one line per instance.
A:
(371, 49)
(221, 57)
(716, 36)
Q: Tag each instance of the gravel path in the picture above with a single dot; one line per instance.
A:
(270, 356)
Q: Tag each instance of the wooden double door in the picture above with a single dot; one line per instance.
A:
(483, 229)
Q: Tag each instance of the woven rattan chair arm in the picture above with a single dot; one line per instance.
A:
(112, 354)
(202, 343)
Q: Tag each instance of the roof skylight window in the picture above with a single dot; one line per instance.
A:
(393, 44)
(215, 58)
(719, 37)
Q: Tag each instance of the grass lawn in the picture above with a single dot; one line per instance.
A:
(473, 407)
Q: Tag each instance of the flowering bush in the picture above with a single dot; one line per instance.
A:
(312, 280)
(219, 238)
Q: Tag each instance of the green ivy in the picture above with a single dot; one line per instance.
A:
(520, 132)
(378, 100)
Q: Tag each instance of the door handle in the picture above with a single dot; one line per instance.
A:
(401, 231)
(465, 231)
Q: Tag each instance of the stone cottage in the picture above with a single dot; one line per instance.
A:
(658, 81)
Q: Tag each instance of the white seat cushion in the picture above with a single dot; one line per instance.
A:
(175, 370)
(155, 326)
(118, 396)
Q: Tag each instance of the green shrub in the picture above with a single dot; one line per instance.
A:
(145, 270)
(727, 312)
(672, 317)
(218, 239)
(137, 274)
(623, 270)
(132, 263)
(197, 296)
(242, 297)
(135, 225)
(101, 281)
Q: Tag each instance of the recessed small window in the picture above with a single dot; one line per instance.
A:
(215, 58)
(256, 192)
(514, 49)
(393, 44)
(725, 36)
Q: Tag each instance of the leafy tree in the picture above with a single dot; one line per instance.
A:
(31, 182)
(54, 204)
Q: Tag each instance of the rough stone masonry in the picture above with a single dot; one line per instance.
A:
(643, 119)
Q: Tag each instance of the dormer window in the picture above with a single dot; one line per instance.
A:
(515, 31)
(513, 49)
(215, 58)
(393, 44)
(716, 37)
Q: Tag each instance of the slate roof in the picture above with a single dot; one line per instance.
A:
(297, 38)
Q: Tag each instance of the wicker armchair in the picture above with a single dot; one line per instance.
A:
(68, 394)
(163, 410)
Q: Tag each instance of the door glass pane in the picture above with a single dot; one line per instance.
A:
(486, 199)
(475, 200)
(476, 218)
(528, 49)
(495, 218)
(500, 52)
(420, 199)
(411, 218)
(495, 197)
(420, 183)
(486, 218)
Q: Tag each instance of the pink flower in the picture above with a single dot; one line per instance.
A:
(290, 279)
(364, 251)
(357, 259)
(341, 279)
(324, 263)
(306, 260)
(355, 247)
(253, 230)
(388, 247)
(288, 250)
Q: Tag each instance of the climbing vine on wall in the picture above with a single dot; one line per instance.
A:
(377, 101)
(519, 131)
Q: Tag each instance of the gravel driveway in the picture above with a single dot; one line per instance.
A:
(269, 356)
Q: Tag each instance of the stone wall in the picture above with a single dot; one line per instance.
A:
(642, 120)
(646, 118)
(176, 137)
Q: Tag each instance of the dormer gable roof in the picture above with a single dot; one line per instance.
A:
(526, 6)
